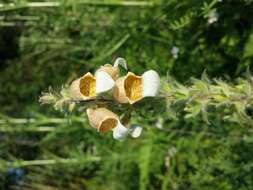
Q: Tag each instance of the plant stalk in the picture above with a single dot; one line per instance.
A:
(14, 6)
(25, 163)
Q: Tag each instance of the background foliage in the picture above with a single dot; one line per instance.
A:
(51, 45)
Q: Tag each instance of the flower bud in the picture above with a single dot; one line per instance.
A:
(47, 98)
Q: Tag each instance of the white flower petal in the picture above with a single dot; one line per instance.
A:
(120, 61)
(151, 83)
(120, 132)
(136, 131)
(104, 82)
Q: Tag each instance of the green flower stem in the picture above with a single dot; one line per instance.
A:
(234, 100)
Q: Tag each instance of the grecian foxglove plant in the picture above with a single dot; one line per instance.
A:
(117, 103)
(104, 91)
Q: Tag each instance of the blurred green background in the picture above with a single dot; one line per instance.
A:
(49, 43)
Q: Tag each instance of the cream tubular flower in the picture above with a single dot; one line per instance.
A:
(88, 86)
(113, 71)
(104, 120)
(132, 88)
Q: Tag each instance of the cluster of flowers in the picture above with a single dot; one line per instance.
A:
(126, 89)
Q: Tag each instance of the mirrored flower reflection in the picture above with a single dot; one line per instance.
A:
(132, 88)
